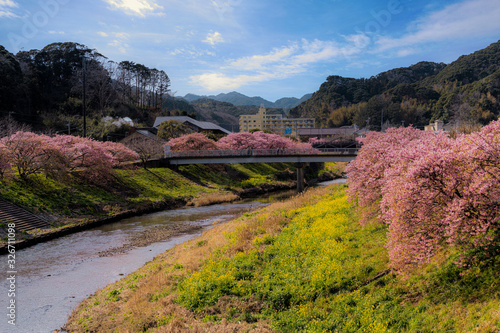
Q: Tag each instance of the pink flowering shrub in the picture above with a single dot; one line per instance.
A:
(258, 140)
(193, 141)
(433, 191)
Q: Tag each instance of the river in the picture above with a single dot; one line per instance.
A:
(52, 278)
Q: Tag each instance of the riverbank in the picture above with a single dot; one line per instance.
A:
(304, 264)
(71, 205)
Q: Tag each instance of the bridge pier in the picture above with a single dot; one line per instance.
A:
(300, 176)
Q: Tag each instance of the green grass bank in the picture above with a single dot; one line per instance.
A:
(301, 265)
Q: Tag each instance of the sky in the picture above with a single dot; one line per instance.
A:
(271, 49)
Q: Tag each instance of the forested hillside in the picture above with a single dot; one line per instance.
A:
(45, 89)
(223, 113)
(465, 91)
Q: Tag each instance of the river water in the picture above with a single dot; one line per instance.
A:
(52, 278)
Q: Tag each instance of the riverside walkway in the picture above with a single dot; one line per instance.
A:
(298, 156)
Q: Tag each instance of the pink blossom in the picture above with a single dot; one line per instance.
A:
(432, 191)
(258, 140)
(193, 141)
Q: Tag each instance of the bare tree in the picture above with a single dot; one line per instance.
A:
(147, 148)
(9, 126)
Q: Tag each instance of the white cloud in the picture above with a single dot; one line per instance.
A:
(468, 19)
(213, 38)
(120, 45)
(406, 52)
(258, 62)
(102, 34)
(218, 12)
(191, 52)
(219, 81)
(7, 13)
(6, 8)
(53, 32)
(122, 35)
(8, 3)
(137, 7)
(317, 50)
(280, 63)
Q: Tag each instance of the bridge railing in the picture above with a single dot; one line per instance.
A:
(261, 152)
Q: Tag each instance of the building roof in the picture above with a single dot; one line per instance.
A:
(344, 130)
(205, 125)
(148, 134)
(143, 132)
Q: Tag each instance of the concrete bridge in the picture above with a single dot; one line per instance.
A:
(298, 156)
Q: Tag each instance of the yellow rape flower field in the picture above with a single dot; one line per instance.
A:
(302, 265)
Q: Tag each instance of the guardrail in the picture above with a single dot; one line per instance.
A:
(261, 152)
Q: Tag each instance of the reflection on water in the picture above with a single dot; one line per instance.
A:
(335, 181)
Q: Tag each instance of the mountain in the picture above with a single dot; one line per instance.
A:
(239, 99)
(290, 102)
(224, 114)
(464, 91)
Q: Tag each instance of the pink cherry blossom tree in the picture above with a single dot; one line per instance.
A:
(121, 154)
(84, 153)
(30, 153)
(433, 191)
(378, 153)
(258, 140)
(449, 195)
(416, 192)
(193, 141)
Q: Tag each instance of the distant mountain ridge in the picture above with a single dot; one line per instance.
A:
(239, 99)
(466, 91)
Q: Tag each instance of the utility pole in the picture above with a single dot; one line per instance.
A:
(382, 120)
(84, 100)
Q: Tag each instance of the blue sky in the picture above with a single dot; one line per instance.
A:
(262, 48)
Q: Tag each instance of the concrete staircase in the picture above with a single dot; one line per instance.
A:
(23, 219)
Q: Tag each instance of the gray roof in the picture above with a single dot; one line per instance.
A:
(205, 125)
(148, 134)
